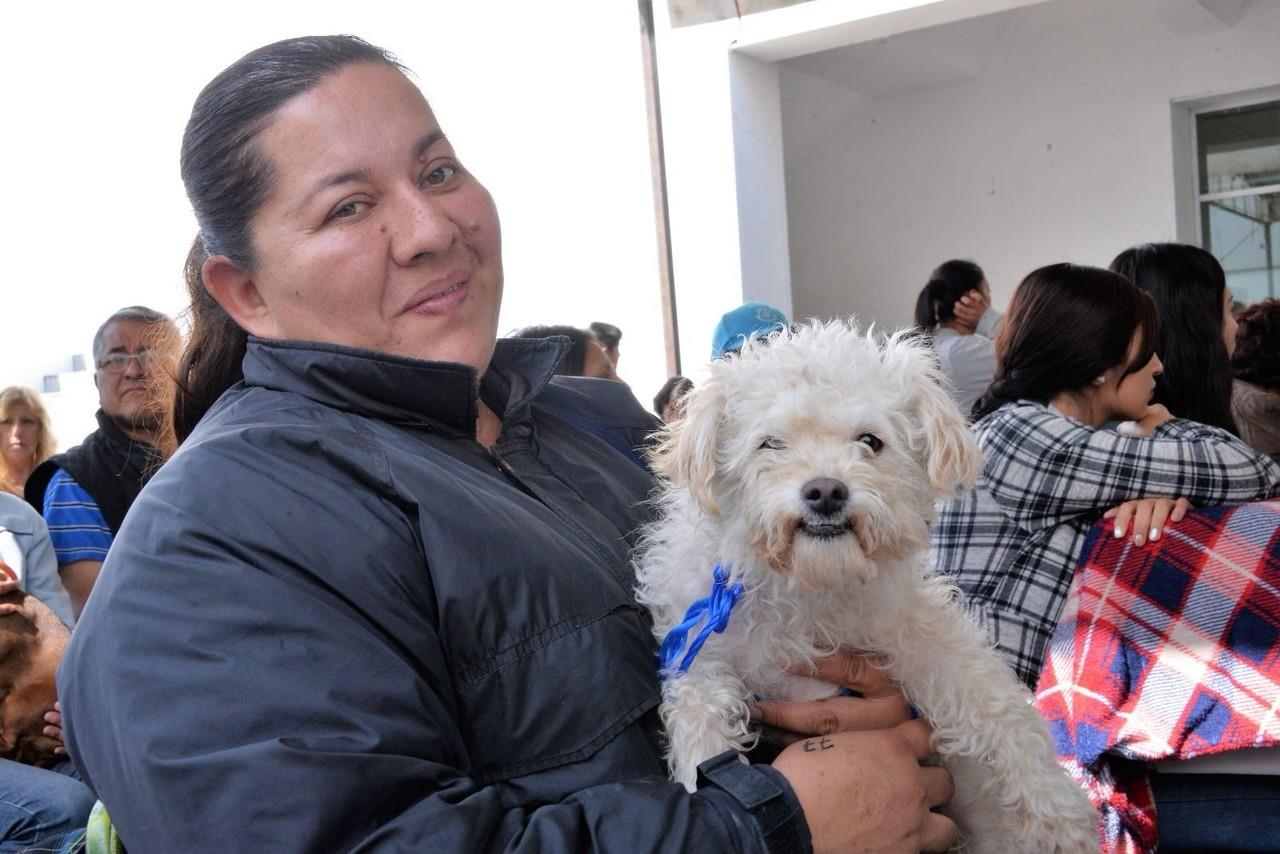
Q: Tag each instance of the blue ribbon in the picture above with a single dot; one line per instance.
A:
(715, 607)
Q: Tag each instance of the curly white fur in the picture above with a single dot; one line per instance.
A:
(736, 468)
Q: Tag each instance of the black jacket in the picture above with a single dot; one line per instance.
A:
(109, 465)
(333, 621)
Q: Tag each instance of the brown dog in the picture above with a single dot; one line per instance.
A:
(32, 640)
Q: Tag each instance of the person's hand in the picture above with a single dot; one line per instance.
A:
(1150, 517)
(970, 308)
(53, 728)
(1157, 414)
(868, 791)
(8, 584)
(881, 705)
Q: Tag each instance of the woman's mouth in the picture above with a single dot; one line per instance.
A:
(439, 300)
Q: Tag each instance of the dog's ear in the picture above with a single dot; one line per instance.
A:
(952, 456)
(686, 452)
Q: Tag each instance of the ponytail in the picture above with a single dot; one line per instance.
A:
(212, 360)
(952, 280)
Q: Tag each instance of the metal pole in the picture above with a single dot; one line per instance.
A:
(658, 167)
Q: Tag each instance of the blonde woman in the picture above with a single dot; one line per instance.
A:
(26, 437)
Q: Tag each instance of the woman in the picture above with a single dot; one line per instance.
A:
(1197, 331)
(1051, 472)
(26, 436)
(380, 598)
(1255, 399)
(954, 308)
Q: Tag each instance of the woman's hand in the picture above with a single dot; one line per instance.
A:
(839, 744)
(880, 706)
(970, 308)
(53, 728)
(1157, 414)
(869, 791)
(1150, 517)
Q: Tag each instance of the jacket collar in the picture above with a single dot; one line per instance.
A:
(441, 396)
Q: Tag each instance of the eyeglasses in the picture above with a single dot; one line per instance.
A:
(118, 363)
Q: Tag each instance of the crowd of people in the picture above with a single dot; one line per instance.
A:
(349, 571)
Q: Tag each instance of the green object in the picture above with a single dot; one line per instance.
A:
(100, 835)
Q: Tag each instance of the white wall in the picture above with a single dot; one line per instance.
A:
(1055, 146)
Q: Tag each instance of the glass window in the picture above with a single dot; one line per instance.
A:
(1238, 153)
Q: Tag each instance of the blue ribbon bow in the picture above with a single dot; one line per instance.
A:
(715, 607)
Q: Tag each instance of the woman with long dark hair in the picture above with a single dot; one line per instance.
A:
(380, 599)
(1077, 351)
(954, 309)
(1197, 331)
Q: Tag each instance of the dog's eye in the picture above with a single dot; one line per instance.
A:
(771, 443)
(871, 441)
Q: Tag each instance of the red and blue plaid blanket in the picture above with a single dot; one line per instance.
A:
(1170, 650)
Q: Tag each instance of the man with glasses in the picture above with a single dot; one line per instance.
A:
(85, 492)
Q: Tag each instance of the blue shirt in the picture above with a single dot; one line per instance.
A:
(76, 525)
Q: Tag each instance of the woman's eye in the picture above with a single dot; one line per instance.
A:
(440, 174)
(346, 211)
(771, 443)
(872, 441)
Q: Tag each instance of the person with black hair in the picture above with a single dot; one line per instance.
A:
(609, 337)
(954, 309)
(381, 598)
(1051, 471)
(584, 358)
(1255, 398)
(1197, 330)
(667, 401)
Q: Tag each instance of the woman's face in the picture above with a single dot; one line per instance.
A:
(19, 433)
(1127, 399)
(1228, 322)
(374, 235)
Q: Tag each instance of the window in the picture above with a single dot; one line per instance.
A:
(1238, 168)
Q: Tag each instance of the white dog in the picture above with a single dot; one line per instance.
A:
(808, 469)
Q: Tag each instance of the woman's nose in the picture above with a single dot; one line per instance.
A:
(422, 227)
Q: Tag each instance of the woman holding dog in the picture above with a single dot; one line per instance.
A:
(1050, 470)
(380, 598)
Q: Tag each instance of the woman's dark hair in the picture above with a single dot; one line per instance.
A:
(574, 361)
(669, 388)
(1189, 288)
(227, 181)
(1257, 356)
(952, 280)
(1067, 325)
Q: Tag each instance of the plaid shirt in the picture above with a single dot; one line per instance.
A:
(1171, 650)
(1012, 543)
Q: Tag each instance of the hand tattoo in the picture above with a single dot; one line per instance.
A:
(813, 745)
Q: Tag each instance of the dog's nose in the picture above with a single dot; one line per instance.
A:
(825, 496)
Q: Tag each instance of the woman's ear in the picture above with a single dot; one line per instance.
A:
(235, 290)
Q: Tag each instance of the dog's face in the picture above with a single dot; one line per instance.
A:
(824, 449)
(31, 645)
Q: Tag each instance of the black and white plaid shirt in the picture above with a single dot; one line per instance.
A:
(1012, 543)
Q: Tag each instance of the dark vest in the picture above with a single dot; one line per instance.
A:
(110, 466)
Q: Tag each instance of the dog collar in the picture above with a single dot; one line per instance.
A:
(716, 607)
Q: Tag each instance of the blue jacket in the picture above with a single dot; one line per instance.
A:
(334, 621)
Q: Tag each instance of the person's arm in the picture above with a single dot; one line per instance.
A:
(42, 579)
(79, 534)
(264, 674)
(1042, 468)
